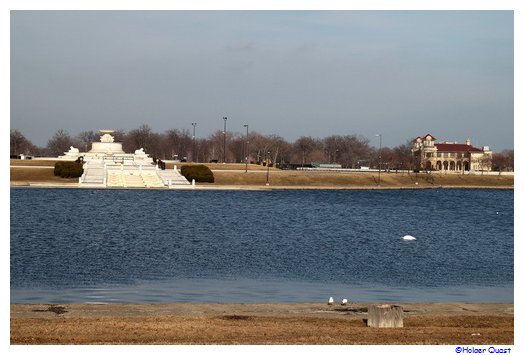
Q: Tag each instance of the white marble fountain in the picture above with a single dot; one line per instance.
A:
(107, 165)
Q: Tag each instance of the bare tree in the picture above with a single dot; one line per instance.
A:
(119, 135)
(388, 158)
(85, 138)
(484, 163)
(178, 142)
(280, 149)
(236, 147)
(206, 150)
(258, 146)
(331, 147)
(305, 148)
(403, 156)
(143, 137)
(503, 161)
(215, 146)
(352, 149)
(20, 144)
(59, 143)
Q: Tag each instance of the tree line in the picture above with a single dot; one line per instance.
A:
(350, 151)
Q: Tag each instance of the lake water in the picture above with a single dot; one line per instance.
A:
(142, 246)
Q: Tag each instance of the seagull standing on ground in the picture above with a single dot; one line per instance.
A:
(330, 301)
(344, 302)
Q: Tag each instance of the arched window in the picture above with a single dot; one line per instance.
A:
(446, 165)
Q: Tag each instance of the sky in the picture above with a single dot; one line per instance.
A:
(401, 74)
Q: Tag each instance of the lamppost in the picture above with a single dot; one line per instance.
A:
(267, 164)
(247, 144)
(194, 125)
(225, 120)
(379, 155)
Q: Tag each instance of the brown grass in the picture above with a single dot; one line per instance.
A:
(246, 323)
(32, 162)
(231, 329)
(228, 166)
(25, 176)
(358, 180)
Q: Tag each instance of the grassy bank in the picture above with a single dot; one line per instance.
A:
(358, 180)
(26, 176)
(233, 175)
(257, 324)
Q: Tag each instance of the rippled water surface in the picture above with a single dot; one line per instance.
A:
(80, 245)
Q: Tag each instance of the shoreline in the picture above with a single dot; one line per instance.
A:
(107, 309)
(234, 177)
(255, 323)
(259, 188)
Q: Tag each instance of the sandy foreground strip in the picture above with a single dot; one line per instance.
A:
(305, 323)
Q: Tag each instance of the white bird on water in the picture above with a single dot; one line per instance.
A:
(331, 300)
(408, 237)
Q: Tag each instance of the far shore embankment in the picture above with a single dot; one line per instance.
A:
(39, 173)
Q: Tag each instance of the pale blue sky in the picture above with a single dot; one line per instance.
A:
(291, 73)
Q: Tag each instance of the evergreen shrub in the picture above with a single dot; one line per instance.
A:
(68, 169)
(200, 173)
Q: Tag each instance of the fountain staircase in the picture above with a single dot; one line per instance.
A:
(94, 174)
(130, 175)
(172, 178)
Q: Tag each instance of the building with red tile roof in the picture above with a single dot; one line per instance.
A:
(449, 156)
